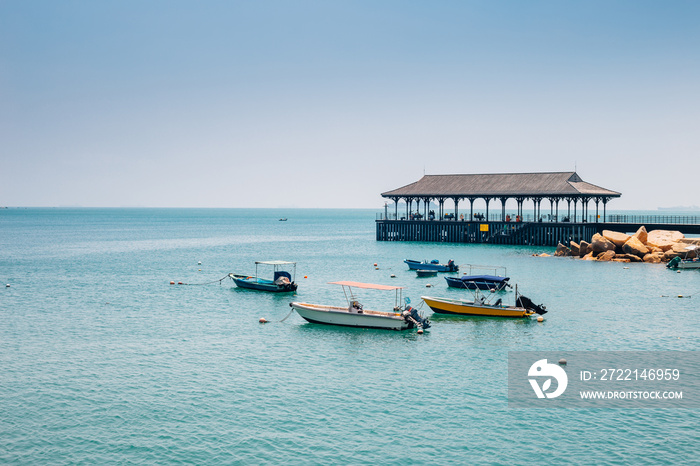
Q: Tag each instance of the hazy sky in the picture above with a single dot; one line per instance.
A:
(329, 103)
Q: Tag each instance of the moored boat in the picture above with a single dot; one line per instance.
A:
(282, 280)
(477, 278)
(432, 265)
(426, 273)
(688, 262)
(402, 316)
(482, 306)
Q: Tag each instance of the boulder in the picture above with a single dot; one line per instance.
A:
(584, 248)
(663, 239)
(601, 244)
(588, 257)
(621, 259)
(680, 250)
(641, 235)
(575, 248)
(630, 257)
(618, 239)
(653, 258)
(562, 251)
(636, 247)
(606, 256)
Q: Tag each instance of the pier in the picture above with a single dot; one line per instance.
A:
(575, 222)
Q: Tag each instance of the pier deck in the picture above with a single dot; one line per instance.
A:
(516, 233)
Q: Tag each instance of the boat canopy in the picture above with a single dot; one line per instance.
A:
(274, 262)
(491, 278)
(368, 286)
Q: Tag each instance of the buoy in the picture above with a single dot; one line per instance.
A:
(428, 285)
(179, 283)
(420, 330)
(7, 286)
(625, 267)
(375, 264)
(376, 268)
(200, 263)
(678, 271)
(172, 283)
(562, 361)
(393, 276)
(200, 270)
(263, 320)
(680, 295)
(305, 276)
(540, 319)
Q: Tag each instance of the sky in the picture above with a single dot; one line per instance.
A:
(327, 104)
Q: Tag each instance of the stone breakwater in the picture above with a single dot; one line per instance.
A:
(653, 247)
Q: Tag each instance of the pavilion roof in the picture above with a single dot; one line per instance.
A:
(560, 184)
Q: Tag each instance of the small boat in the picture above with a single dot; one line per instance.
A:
(402, 317)
(283, 219)
(482, 306)
(282, 280)
(496, 281)
(687, 262)
(432, 265)
(426, 273)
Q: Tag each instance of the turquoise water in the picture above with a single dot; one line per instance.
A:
(103, 361)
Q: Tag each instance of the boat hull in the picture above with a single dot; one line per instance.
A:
(426, 273)
(415, 265)
(259, 284)
(470, 308)
(477, 283)
(332, 315)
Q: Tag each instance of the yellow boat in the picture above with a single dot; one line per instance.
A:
(524, 307)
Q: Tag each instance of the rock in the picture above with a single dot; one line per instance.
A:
(680, 250)
(606, 256)
(588, 257)
(641, 235)
(653, 258)
(631, 257)
(584, 248)
(562, 251)
(663, 239)
(544, 254)
(575, 248)
(636, 247)
(618, 239)
(621, 259)
(601, 244)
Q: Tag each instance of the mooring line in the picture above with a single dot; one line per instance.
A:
(206, 283)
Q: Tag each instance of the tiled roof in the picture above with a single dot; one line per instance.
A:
(560, 184)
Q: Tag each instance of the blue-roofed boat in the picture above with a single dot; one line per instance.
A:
(496, 280)
(432, 265)
(282, 280)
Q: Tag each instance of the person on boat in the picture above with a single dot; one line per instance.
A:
(355, 307)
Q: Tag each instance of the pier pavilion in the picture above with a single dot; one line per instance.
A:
(422, 224)
(555, 187)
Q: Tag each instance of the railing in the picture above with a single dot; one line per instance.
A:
(548, 218)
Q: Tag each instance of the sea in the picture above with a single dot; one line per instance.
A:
(104, 361)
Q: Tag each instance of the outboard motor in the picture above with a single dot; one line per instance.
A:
(524, 301)
(673, 263)
(451, 266)
(411, 316)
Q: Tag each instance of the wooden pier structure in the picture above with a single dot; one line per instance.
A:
(533, 228)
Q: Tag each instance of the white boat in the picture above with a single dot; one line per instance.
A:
(687, 262)
(402, 317)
